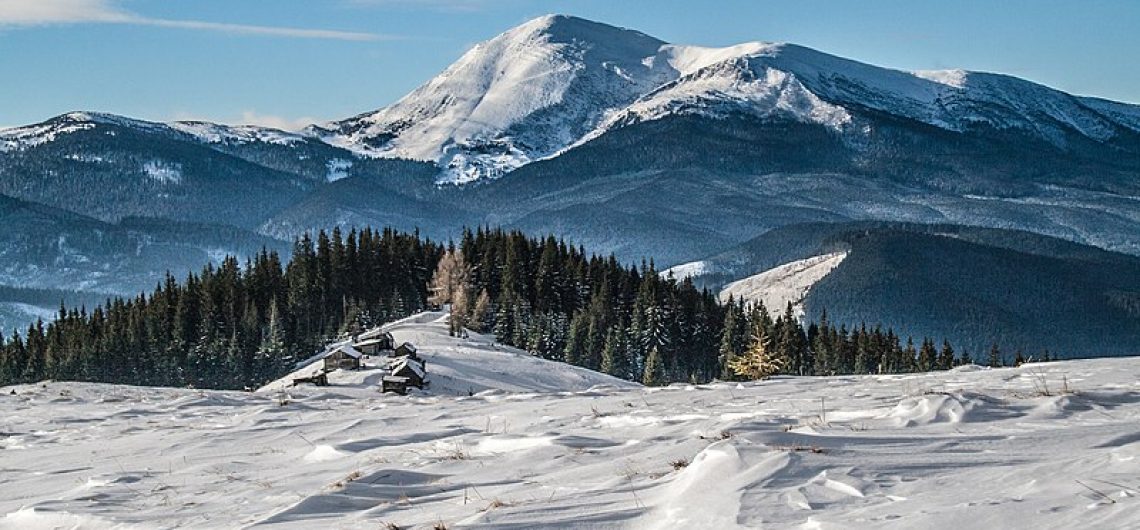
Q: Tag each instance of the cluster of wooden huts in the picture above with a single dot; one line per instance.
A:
(406, 369)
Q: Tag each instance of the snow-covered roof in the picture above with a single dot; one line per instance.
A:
(374, 333)
(413, 365)
(409, 346)
(347, 350)
(370, 342)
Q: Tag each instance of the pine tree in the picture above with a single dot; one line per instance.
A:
(504, 318)
(994, 360)
(654, 368)
(576, 345)
(614, 361)
(946, 357)
(733, 337)
(910, 352)
(926, 356)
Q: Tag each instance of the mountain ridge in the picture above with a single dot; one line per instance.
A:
(557, 81)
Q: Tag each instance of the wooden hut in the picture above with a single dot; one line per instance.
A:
(376, 345)
(411, 369)
(394, 383)
(406, 349)
(317, 378)
(343, 357)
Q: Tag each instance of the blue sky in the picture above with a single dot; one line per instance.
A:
(289, 62)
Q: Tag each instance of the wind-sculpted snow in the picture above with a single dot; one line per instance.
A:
(1049, 445)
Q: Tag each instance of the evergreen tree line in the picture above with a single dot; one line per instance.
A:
(232, 326)
(235, 326)
(557, 302)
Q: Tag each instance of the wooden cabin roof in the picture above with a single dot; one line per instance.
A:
(345, 349)
(374, 333)
(372, 341)
(409, 364)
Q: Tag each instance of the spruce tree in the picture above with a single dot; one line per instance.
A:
(994, 360)
(946, 356)
(614, 361)
(576, 343)
(654, 368)
(926, 356)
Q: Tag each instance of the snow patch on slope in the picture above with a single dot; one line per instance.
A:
(692, 269)
(163, 171)
(337, 169)
(213, 133)
(788, 283)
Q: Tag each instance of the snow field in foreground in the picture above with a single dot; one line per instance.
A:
(969, 448)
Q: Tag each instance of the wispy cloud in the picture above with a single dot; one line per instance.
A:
(50, 12)
(436, 5)
(252, 117)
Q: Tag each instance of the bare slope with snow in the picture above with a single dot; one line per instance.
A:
(1041, 446)
(456, 366)
(788, 283)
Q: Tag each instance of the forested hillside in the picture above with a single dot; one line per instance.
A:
(238, 326)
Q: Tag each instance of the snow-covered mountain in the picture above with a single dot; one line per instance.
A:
(518, 97)
(557, 81)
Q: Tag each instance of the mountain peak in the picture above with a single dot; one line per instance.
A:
(557, 81)
(567, 28)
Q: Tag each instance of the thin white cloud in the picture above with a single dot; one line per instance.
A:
(50, 12)
(464, 6)
(252, 117)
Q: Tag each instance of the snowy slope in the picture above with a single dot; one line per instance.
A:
(456, 366)
(214, 133)
(21, 138)
(969, 448)
(788, 283)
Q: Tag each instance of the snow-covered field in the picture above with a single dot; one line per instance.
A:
(544, 445)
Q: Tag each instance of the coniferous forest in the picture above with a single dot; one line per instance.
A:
(237, 326)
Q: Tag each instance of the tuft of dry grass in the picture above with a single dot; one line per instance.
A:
(496, 504)
(679, 464)
(457, 452)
